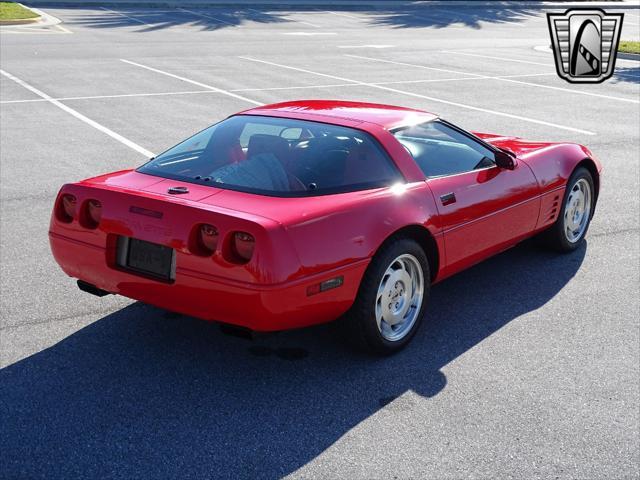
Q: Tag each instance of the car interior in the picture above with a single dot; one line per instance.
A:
(437, 158)
(326, 161)
(285, 155)
(271, 155)
(440, 150)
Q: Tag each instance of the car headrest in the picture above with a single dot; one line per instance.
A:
(263, 143)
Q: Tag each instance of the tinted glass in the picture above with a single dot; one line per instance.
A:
(441, 150)
(278, 156)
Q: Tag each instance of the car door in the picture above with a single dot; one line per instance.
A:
(482, 208)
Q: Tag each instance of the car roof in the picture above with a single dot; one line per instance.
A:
(342, 112)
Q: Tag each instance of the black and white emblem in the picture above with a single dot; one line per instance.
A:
(585, 43)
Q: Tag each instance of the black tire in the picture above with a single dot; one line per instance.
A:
(360, 322)
(556, 237)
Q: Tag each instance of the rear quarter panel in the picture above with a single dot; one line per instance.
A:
(345, 233)
(332, 231)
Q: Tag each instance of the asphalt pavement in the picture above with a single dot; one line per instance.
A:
(528, 365)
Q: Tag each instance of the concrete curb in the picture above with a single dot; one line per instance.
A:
(21, 21)
(44, 20)
(629, 56)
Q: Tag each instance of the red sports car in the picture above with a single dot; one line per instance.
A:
(303, 212)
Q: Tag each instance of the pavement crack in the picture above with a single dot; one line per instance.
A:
(61, 319)
(614, 232)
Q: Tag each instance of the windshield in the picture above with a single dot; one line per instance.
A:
(278, 156)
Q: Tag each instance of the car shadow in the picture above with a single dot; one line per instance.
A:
(145, 393)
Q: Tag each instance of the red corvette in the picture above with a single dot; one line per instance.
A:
(299, 213)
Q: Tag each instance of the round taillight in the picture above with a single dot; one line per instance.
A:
(67, 208)
(243, 245)
(92, 214)
(208, 238)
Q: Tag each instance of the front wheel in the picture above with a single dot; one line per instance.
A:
(566, 234)
(392, 298)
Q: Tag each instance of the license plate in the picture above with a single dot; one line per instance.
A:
(146, 258)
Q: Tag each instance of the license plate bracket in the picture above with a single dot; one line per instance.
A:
(146, 258)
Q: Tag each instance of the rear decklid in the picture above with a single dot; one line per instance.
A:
(139, 206)
(285, 211)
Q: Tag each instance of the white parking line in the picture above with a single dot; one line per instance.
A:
(30, 31)
(497, 58)
(27, 30)
(193, 82)
(305, 23)
(570, 90)
(353, 17)
(433, 99)
(63, 29)
(288, 17)
(94, 97)
(266, 89)
(457, 72)
(204, 15)
(459, 79)
(474, 17)
(126, 16)
(298, 87)
(79, 116)
(436, 18)
(503, 79)
(308, 34)
(366, 46)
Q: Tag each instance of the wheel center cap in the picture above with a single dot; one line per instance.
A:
(397, 302)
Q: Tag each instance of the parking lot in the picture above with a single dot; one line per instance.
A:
(528, 366)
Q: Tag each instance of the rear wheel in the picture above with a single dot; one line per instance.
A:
(572, 224)
(392, 298)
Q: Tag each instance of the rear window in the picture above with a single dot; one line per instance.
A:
(278, 156)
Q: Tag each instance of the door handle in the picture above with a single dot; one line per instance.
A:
(448, 198)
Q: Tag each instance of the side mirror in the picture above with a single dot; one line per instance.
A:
(505, 160)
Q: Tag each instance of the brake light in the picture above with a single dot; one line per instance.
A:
(67, 208)
(92, 214)
(208, 238)
(243, 245)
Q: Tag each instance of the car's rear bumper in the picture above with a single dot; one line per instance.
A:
(257, 307)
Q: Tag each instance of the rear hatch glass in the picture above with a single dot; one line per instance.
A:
(279, 157)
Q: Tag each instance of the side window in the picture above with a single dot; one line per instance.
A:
(441, 150)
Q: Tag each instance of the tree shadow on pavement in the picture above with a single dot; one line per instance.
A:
(144, 393)
(627, 74)
(149, 19)
(441, 17)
